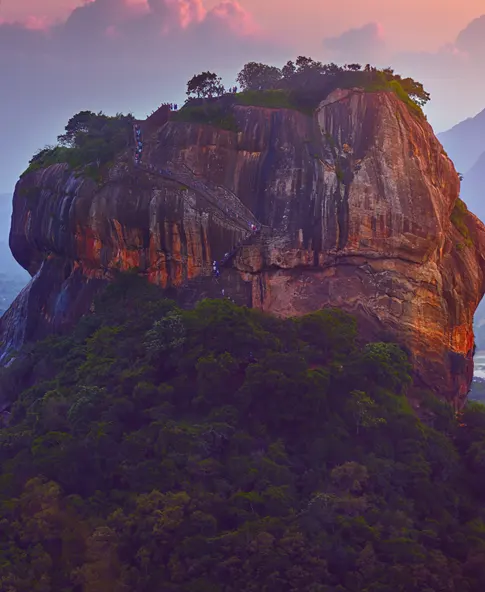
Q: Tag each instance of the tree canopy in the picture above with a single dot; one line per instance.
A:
(306, 82)
(88, 139)
(256, 76)
(205, 85)
(221, 449)
(79, 125)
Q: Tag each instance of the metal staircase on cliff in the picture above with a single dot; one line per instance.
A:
(238, 215)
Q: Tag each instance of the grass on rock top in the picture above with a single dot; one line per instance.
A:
(218, 112)
(458, 219)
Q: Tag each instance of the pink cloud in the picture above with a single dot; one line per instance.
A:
(187, 12)
(133, 53)
(229, 15)
(35, 23)
(361, 44)
(234, 16)
(29, 23)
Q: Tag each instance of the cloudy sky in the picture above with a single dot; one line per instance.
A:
(60, 56)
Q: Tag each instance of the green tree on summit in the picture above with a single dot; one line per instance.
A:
(205, 85)
(257, 76)
(89, 140)
(308, 81)
(81, 123)
(87, 127)
(353, 67)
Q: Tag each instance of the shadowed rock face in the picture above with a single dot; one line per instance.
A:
(355, 205)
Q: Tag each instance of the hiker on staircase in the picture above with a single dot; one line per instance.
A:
(253, 228)
(138, 144)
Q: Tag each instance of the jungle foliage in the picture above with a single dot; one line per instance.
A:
(222, 449)
(303, 84)
(307, 82)
(89, 140)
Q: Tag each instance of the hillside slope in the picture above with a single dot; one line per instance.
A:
(220, 449)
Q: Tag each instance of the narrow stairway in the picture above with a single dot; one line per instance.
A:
(230, 206)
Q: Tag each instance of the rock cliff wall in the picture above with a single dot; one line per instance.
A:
(355, 205)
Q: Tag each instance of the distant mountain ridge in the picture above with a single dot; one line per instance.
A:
(473, 186)
(465, 145)
(465, 141)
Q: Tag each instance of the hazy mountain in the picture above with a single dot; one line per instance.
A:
(465, 142)
(12, 276)
(473, 187)
(465, 145)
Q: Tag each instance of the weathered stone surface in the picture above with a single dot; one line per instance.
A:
(355, 205)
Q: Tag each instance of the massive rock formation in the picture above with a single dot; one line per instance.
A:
(355, 205)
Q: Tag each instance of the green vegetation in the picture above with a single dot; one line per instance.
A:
(51, 155)
(303, 84)
(273, 99)
(90, 141)
(220, 449)
(379, 81)
(256, 76)
(208, 113)
(458, 219)
(206, 84)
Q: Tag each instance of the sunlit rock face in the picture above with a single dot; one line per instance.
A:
(354, 203)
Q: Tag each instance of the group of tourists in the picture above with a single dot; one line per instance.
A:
(138, 144)
(216, 265)
(173, 107)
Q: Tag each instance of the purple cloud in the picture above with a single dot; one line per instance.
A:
(113, 55)
(361, 44)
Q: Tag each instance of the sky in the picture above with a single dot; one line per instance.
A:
(58, 57)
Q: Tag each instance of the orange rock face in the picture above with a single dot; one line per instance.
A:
(355, 205)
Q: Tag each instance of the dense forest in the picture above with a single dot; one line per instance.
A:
(221, 449)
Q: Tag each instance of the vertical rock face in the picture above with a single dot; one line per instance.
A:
(355, 205)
